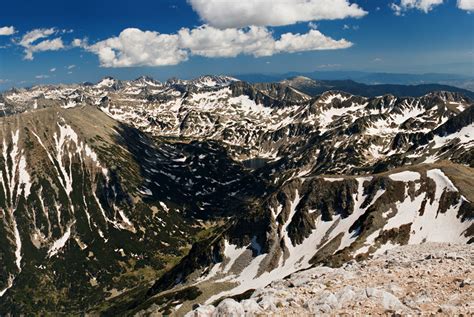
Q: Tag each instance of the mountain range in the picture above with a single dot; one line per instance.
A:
(368, 78)
(143, 197)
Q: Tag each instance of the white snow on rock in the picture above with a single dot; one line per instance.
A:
(60, 243)
(465, 137)
(405, 176)
(106, 82)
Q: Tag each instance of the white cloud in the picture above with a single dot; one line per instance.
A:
(35, 35)
(42, 76)
(348, 27)
(311, 41)
(52, 69)
(313, 25)
(237, 14)
(7, 30)
(78, 43)
(211, 42)
(422, 5)
(71, 66)
(134, 47)
(397, 10)
(29, 42)
(467, 5)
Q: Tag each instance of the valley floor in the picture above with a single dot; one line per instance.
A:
(431, 278)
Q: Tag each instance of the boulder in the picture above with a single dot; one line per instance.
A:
(229, 308)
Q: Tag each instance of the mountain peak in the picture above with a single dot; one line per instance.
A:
(213, 81)
(107, 81)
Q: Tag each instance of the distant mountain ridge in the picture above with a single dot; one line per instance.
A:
(315, 87)
(371, 79)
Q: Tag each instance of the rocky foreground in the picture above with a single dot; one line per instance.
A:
(425, 279)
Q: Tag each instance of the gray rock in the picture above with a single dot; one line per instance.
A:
(330, 299)
(371, 292)
(390, 302)
(423, 298)
(268, 303)
(454, 256)
(251, 307)
(448, 309)
(202, 311)
(229, 308)
(466, 282)
(394, 288)
(345, 296)
(260, 292)
(386, 299)
(299, 281)
(317, 308)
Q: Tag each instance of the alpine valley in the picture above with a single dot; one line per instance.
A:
(141, 197)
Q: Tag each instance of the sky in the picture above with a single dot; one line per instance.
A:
(52, 41)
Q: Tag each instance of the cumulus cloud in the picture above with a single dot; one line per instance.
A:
(467, 5)
(42, 76)
(52, 69)
(311, 41)
(79, 43)
(236, 14)
(134, 47)
(30, 41)
(7, 30)
(211, 42)
(423, 5)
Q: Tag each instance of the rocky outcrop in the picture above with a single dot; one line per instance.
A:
(415, 279)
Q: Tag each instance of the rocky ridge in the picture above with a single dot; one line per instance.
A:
(431, 278)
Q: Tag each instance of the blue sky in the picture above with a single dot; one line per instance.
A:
(404, 36)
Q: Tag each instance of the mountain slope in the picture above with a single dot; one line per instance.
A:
(89, 202)
(141, 196)
(330, 220)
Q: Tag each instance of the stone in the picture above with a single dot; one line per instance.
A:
(454, 256)
(268, 303)
(316, 308)
(299, 281)
(328, 298)
(345, 296)
(465, 282)
(202, 311)
(386, 299)
(251, 307)
(390, 302)
(448, 309)
(229, 308)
